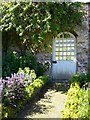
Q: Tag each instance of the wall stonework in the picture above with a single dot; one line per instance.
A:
(82, 51)
(83, 46)
(89, 36)
(0, 55)
(45, 58)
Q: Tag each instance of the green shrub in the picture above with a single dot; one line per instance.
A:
(12, 61)
(77, 103)
(18, 90)
(81, 79)
(89, 103)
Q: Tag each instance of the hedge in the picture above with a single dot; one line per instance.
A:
(78, 103)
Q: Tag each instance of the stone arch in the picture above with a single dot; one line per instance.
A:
(65, 34)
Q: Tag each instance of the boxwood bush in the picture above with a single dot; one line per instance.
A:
(78, 103)
(18, 89)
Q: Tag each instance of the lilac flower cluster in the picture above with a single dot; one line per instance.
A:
(13, 88)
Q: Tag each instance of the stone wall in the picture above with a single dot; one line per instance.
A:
(0, 49)
(83, 46)
(82, 51)
(89, 35)
(45, 58)
(0, 55)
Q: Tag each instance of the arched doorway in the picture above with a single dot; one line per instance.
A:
(64, 56)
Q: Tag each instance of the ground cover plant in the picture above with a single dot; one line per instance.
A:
(78, 101)
(18, 90)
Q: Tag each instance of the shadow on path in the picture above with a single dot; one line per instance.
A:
(48, 103)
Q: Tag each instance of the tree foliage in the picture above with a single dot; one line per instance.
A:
(31, 25)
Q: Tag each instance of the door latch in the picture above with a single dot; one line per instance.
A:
(54, 61)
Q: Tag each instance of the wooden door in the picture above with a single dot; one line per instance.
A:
(64, 56)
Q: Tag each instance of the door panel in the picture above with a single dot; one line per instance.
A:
(63, 70)
(64, 53)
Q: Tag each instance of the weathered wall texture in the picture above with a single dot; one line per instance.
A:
(45, 58)
(0, 54)
(0, 49)
(82, 51)
(83, 46)
(89, 36)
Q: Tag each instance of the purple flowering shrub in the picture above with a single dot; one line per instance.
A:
(17, 90)
(13, 88)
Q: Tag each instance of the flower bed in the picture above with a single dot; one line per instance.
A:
(18, 89)
(77, 104)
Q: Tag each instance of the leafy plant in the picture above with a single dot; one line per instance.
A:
(12, 61)
(78, 100)
(14, 89)
(81, 79)
(31, 25)
(77, 103)
(18, 89)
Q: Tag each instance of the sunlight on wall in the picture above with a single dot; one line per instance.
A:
(80, 1)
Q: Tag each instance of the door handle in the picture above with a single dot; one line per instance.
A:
(54, 61)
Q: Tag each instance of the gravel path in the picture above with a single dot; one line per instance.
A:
(50, 103)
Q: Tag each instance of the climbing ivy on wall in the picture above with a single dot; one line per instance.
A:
(31, 25)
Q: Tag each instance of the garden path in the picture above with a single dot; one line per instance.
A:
(49, 103)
